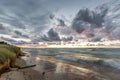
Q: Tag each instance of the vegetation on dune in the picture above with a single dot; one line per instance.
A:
(8, 56)
(2, 42)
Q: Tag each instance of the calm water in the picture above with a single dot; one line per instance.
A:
(109, 56)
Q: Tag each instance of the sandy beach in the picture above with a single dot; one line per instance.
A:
(74, 71)
(21, 74)
(50, 68)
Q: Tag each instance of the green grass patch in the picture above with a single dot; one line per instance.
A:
(6, 54)
(11, 52)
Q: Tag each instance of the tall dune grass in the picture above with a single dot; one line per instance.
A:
(8, 55)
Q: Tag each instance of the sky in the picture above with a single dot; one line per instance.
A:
(28, 20)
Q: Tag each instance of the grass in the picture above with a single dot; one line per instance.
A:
(9, 52)
(6, 54)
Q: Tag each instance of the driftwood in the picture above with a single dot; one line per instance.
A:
(27, 66)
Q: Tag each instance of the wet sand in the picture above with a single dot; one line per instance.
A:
(74, 71)
(49, 68)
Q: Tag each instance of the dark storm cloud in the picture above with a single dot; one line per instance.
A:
(51, 36)
(79, 26)
(101, 22)
(91, 17)
(86, 21)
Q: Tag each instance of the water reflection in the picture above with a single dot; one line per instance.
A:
(49, 64)
(65, 62)
(60, 68)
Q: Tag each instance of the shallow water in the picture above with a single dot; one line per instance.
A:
(110, 56)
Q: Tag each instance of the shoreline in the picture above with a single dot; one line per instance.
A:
(55, 46)
(97, 70)
(68, 70)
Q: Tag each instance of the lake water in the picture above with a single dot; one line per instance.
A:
(110, 56)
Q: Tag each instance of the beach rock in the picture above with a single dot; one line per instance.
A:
(13, 75)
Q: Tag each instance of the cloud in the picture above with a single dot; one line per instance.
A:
(33, 19)
(4, 29)
(111, 19)
(61, 25)
(115, 34)
(28, 15)
(70, 38)
(51, 16)
(96, 39)
(1, 27)
(90, 22)
(8, 40)
(86, 17)
(90, 35)
(51, 36)
(61, 22)
(19, 34)
(24, 18)
(13, 41)
(45, 38)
